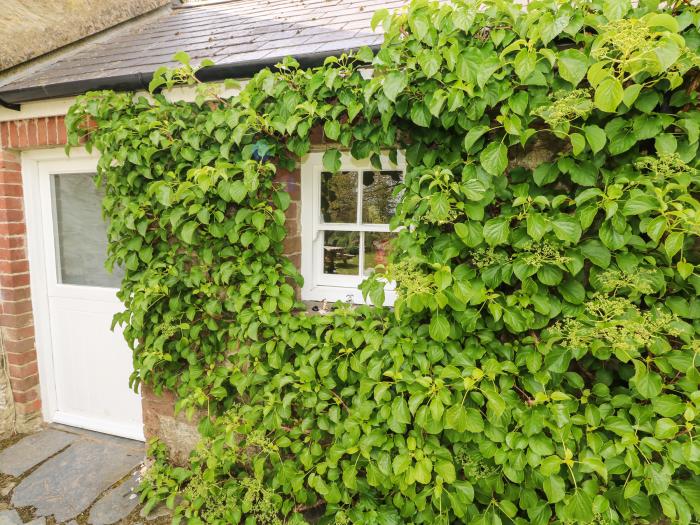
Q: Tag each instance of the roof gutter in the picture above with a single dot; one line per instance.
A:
(10, 105)
(139, 81)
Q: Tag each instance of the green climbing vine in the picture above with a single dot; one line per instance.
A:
(540, 364)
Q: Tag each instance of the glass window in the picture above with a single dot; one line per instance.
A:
(360, 209)
(81, 232)
(339, 197)
(378, 199)
(341, 253)
(345, 220)
(377, 247)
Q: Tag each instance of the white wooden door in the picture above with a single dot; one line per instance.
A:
(90, 363)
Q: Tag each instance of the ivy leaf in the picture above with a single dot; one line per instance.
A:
(494, 158)
(164, 194)
(365, 54)
(665, 428)
(430, 62)
(656, 227)
(474, 422)
(608, 94)
(550, 26)
(463, 18)
(614, 10)
(281, 200)
(237, 191)
(554, 488)
(182, 57)
(566, 228)
(673, 244)
(420, 114)
(685, 269)
(380, 17)
(420, 24)
(436, 102)
(579, 508)
(471, 233)
(647, 384)
(399, 411)
(578, 143)
(456, 418)
(596, 137)
(496, 231)
(331, 160)
(473, 135)
(446, 470)
(640, 204)
(332, 129)
(537, 225)
(573, 65)
(158, 79)
(188, 230)
(439, 328)
(394, 83)
(596, 252)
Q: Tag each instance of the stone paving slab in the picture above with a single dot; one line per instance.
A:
(115, 504)
(32, 450)
(10, 517)
(66, 484)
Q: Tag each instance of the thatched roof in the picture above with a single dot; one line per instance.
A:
(30, 28)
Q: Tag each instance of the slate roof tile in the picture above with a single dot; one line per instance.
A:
(231, 33)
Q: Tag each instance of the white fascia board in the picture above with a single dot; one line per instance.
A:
(59, 106)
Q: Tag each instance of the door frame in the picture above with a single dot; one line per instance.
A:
(40, 243)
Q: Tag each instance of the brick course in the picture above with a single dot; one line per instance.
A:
(16, 318)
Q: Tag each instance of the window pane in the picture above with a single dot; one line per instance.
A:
(80, 232)
(377, 247)
(341, 252)
(339, 196)
(378, 202)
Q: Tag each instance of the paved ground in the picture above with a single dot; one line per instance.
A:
(67, 475)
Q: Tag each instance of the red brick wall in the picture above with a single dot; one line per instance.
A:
(16, 319)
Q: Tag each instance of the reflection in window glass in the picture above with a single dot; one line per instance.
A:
(81, 232)
(339, 196)
(378, 202)
(377, 247)
(341, 253)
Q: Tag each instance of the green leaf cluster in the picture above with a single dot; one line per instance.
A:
(540, 364)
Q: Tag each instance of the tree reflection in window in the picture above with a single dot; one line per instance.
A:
(364, 240)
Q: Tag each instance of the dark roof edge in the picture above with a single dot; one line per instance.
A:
(138, 81)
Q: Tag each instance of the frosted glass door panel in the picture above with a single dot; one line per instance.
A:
(81, 232)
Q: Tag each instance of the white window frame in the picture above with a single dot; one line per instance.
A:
(319, 286)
